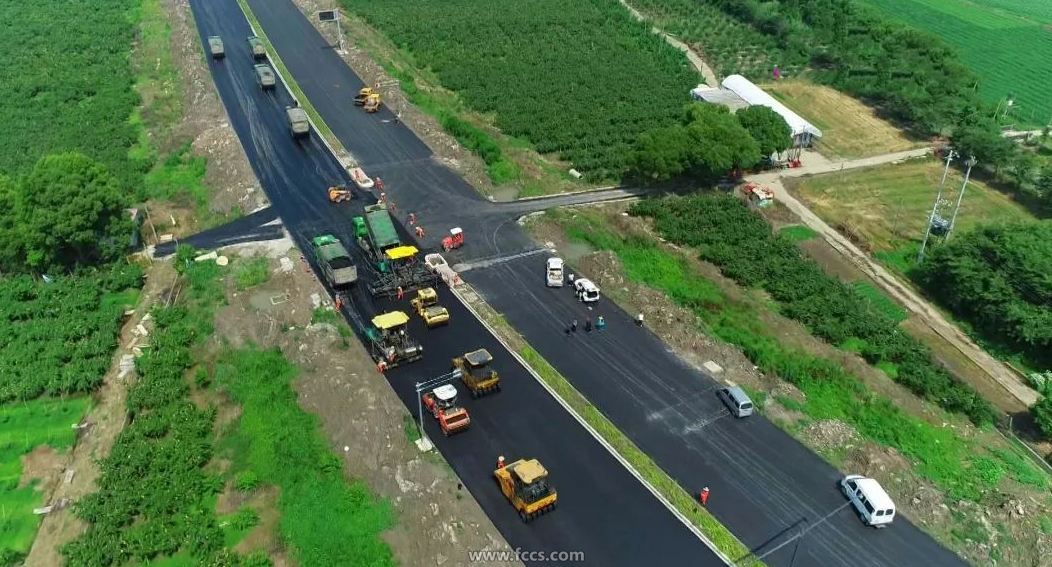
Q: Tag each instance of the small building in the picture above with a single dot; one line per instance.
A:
(737, 92)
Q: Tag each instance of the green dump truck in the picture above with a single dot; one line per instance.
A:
(396, 265)
(334, 261)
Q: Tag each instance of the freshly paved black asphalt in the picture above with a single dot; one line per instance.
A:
(762, 481)
(603, 511)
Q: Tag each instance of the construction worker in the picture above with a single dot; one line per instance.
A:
(704, 496)
(379, 184)
(401, 293)
(567, 330)
(600, 323)
(571, 280)
(338, 302)
(381, 366)
(639, 320)
(573, 326)
(412, 219)
(419, 232)
(500, 462)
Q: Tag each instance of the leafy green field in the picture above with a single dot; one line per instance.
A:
(58, 338)
(577, 79)
(1007, 43)
(23, 428)
(67, 83)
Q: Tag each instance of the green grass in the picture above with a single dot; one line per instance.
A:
(886, 207)
(251, 272)
(1006, 42)
(24, 427)
(324, 519)
(958, 466)
(797, 233)
(878, 301)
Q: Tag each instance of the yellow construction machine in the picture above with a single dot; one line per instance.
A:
(426, 305)
(363, 94)
(525, 485)
(476, 373)
(372, 103)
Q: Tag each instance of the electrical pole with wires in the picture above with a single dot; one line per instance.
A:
(938, 197)
(953, 220)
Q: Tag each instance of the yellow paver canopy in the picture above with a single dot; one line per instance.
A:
(401, 252)
(392, 319)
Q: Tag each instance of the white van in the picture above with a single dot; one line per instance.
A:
(553, 272)
(873, 505)
(586, 291)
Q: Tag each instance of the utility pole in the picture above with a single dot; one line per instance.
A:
(953, 220)
(938, 197)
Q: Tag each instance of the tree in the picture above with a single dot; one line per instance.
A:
(707, 143)
(67, 211)
(767, 127)
(1042, 412)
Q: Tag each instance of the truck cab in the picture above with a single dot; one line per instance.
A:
(554, 272)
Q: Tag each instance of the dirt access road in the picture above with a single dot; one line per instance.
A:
(999, 375)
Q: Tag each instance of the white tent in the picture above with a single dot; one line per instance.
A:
(754, 95)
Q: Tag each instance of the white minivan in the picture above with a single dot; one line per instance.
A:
(553, 272)
(586, 291)
(873, 505)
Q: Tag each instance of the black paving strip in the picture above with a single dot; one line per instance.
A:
(603, 510)
(763, 483)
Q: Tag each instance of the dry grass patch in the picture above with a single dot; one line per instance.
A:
(849, 128)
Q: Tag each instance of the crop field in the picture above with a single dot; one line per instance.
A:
(58, 338)
(726, 44)
(67, 83)
(580, 80)
(849, 128)
(25, 427)
(886, 207)
(1006, 42)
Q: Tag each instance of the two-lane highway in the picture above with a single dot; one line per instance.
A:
(604, 511)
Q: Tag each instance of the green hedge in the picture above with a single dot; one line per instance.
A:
(740, 242)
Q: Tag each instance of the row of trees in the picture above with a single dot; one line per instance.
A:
(741, 244)
(912, 77)
(709, 141)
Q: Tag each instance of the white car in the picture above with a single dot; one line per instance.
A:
(586, 291)
(553, 272)
(872, 503)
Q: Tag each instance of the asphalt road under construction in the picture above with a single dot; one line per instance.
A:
(765, 487)
(603, 511)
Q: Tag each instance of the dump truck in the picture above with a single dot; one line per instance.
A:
(426, 305)
(525, 485)
(476, 373)
(215, 46)
(442, 403)
(259, 50)
(334, 260)
(265, 77)
(395, 266)
(299, 125)
(390, 342)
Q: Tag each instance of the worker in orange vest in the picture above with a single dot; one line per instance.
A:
(380, 183)
(383, 197)
(419, 232)
(412, 219)
(338, 302)
(401, 293)
(500, 462)
(704, 496)
(381, 366)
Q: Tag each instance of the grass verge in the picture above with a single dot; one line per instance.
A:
(297, 92)
(25, 427)
(682, 500)
(325, 520)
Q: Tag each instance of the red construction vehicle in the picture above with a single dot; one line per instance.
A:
(442, 402)
(454, 240)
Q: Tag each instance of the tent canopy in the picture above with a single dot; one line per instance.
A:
(754, 95)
